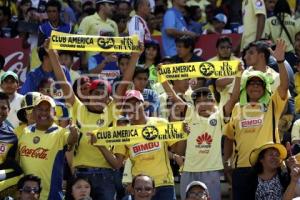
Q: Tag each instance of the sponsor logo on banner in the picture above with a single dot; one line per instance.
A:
(145, 148)
(150, 132)
(204, 142)
(39, 153)
(251, 123)
(3, 148)
(206, 68)
(106, 43)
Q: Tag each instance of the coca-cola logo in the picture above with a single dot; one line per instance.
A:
(16, 57)
(39, 153)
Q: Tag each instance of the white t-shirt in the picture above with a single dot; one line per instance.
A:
(138, 26)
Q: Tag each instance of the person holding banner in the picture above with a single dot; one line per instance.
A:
(146, 157)
(203, 159)
(99, 24)
(254, 120)
(98, 110)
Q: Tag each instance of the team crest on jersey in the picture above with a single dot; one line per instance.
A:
(3, 148)
(258, 3)
(213, 122)
(150, 132)
(36, 139)
(100, 122)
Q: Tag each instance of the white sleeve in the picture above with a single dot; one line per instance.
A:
(135, 27)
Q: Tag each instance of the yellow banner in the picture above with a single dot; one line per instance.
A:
(73, 42)
(122, 135)
(213, 69)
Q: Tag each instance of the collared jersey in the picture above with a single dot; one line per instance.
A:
(250, 127)
(150, 158)
(86, 154)
(46, 28)
(42, 153)
(203, 151)
(251, 8)
(95, 25)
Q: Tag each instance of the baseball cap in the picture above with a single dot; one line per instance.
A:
(9, 73)
(197, 183)
(46, 98)
(27, 103)
(105, 1)
(221, 18)
(61, 111)
(101, 84)
(133, 94)
(255, 153)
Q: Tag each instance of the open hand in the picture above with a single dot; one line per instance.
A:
(279, 51)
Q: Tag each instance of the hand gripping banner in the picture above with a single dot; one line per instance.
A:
(213, 69)
(73, 42)
(124, 135)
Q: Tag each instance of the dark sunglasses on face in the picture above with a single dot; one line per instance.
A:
(34, 190)
(256, 83)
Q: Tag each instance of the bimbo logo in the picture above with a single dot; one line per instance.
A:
(144, 148)
(39, 153)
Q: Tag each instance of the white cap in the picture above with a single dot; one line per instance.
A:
(197, 183)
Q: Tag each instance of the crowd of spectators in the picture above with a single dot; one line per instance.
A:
(243, 130)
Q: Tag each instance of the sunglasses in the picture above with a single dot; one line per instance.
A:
(34, 190)
(256, 83)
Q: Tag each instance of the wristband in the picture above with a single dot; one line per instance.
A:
(280, 61)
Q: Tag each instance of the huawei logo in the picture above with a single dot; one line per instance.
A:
(204, 138)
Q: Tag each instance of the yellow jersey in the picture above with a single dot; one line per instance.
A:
(273, 30)
(250, 127)
(251, 8)
(95, 25)
(150, 158)
(86, 154)
(42, 153)
(203, 151)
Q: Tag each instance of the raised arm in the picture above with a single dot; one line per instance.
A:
(60, 76)
(227, 109)
(128, 74)
(172, 95)
(221, 83)
(283, 75)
